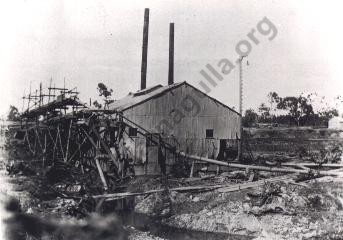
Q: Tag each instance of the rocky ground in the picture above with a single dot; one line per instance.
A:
(274, 211)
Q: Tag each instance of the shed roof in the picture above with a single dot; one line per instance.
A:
(141, 96)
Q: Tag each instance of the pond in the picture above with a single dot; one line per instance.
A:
(154, 225)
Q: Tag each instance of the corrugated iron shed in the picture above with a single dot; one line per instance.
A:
(141, 96)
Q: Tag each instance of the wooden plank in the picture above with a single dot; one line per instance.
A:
(220, 188)
(255, 184)
(312, 165)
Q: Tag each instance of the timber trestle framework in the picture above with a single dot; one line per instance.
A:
(65, 130)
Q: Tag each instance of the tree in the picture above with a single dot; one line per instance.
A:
(13, 114)
(106, 93)
(97, 104)
(273, 99)
(306, 109)
(328, 113)
(250, 117)
(264, 112)
(338, 101)
(297, 107)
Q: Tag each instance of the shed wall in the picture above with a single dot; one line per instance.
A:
(185, 113)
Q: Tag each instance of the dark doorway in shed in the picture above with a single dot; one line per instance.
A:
(222, 148)
(152, 152)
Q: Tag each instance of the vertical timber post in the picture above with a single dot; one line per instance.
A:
(40, 95)
(29, 100)
(68, 140)
(44, 151)
(146, 155)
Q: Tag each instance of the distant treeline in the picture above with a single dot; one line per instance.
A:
(304, 110)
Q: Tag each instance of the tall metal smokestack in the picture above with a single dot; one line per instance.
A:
(145, 48)
(171, 54)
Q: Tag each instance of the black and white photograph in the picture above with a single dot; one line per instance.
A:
(171, 120)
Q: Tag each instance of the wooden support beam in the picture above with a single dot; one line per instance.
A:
(102, 177)
(60, 140)
(191, 174)
(303, 167)
(35, 146)
(220, 188)
(51, 138)
(77, 150)
(247, 185)
(28, 141)
(38, 137)
(334, 165)
(104, 145)
(68, 140)
(55, 146)
(44, 151)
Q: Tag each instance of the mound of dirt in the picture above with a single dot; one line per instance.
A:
(279, 211)
(157, 204)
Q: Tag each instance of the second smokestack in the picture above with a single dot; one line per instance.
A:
(145, 48)
(171, 54)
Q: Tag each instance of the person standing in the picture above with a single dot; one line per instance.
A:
(127, 160)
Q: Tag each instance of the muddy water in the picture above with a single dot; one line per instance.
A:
(124, 210)
(155, 227)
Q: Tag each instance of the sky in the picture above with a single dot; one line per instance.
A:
(90, 41)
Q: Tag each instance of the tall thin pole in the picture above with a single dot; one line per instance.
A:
(49, 90)
(28, 102)
(241, 86)
(64, 86)
(240, 107)
(35, 98)
(40, 95)
(64, 92)
(22, 109)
